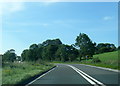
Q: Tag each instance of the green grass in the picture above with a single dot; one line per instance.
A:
(110, 56)
(0, 76)
(13, 73)
(108, 60)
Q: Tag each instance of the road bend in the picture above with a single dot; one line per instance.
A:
(77, 74)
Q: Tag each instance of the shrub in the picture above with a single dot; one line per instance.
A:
(96, 60)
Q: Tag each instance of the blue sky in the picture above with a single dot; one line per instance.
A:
(34, 22)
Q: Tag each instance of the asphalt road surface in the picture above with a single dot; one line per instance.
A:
(77, 74)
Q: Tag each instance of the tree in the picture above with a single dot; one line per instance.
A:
(119, 47)
(9, 56)
(24, 55)
(105, 47)
(85, 45)
(39, 52)
(30, 54)
(52, 42)
(66, 52)
(72, 53)
(33, 46)
(49, 52)
(61, 53)
(49, 49)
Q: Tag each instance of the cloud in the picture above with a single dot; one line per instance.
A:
(28, 24)
(107, 18)
(10, 7)
(48, 2)
(14, 31)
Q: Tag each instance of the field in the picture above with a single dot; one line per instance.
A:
(109, 60)
(14, 73)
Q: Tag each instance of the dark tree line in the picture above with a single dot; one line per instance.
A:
(105, 47)
(55, 50)
(9, 56)
(50, 50)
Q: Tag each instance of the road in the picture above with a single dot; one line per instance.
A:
(77, 74)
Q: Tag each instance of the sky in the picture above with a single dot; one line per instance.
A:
(26, 23)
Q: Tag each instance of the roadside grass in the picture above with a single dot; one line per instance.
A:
(108, 60)
(14, 73)
(0, 76)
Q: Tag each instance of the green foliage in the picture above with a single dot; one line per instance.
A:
(52, 42)
(25, 55)
(66, 52)
(109, 60)
(96, 60)
(9, 56)
(14, 73)
(50, 50)
(105, 47)
(54, 50)
(85, 45)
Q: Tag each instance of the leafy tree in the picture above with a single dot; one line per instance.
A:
(62, 53)
(119, 47)
(105, 47)
(30, 54)
(85, 45)
(25, 55)
(72, 53)
(49, 52)
(52, 42)
(33, 51)
(39, 52)
(33, 46)
(66, 52)
(9, 56)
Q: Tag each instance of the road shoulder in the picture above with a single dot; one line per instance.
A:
(109, 69)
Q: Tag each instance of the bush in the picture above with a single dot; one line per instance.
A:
(96, 60)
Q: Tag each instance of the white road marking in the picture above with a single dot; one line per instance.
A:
(87, 77)
(39, 77)
(84, 76)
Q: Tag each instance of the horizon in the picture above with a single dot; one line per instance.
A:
(26, 23)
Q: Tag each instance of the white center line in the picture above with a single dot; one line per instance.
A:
(87, 77)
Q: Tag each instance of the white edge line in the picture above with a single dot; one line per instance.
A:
(40, 77)
(113, 70)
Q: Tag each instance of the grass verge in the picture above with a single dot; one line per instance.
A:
(14, 73)
(108, 60)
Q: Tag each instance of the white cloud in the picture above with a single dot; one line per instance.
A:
(59, 0)
(107, 18)
(28, 24)
(48, 2)
(10, 7)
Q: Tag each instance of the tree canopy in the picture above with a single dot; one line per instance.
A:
(85, 45)
(50, 50)
(9, 56)
(55, 50)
